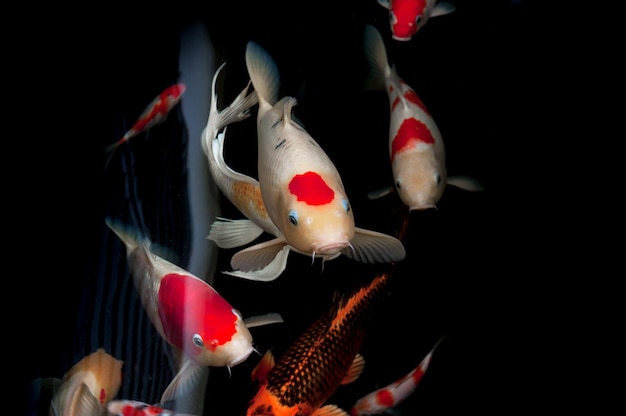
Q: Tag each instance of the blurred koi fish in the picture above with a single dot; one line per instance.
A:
(156, 112)
(406, 17)
(188, 313)
(383, 399)
(416, 147)
(88, 386)
(137, 408)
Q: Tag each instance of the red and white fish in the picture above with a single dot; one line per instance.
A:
(301, 189)
(320, 360)
(188, 313)
(407, 17)
(383, 399)
(138, 408)
(88, 386)
(156, 112)
(416, 148)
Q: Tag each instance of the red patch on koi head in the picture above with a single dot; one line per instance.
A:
(311, 188)
(190, 306)
(410, 131)
(405, 13)
(384, 397)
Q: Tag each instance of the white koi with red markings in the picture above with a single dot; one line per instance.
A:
(416, 147)
(407, 17)
(139, 408)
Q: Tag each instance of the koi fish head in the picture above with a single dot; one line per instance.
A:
(317, 218)
(419, 178)
(201, 323)
(406, 18)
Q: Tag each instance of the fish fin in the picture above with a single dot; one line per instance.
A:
(384, 3)
(263, 72)
(264, 261)
(379, 193)
(465, 182)
(260, 320)
(261, 370)
(373, 247)
(329, 410)
(376, 55)
(81, 402)
(442, 8)
(185, 380)
(355, 370)
(227, 233)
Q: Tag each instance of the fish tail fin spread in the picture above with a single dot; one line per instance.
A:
(110, 149)
(129, 237)
(376, 55)
(263, 72)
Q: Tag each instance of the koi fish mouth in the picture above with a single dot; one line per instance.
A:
(330, 249)
(401, 38)
(241, 358)
(422, 207)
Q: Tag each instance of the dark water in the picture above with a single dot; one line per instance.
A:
(470, 69)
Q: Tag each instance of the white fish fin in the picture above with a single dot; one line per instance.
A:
(384, 3)
(376, 55)
(355, 370)
(379, 193)
(373, 247)
(466, 183)
(263, 73)
(442, 8)
(81, 402)
(185, 380)
(329, 410)
(227, 233)
(260, 320)
(261, 370)
(259, 256)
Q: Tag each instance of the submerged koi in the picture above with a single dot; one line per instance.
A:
(188, 313)
(88, 386)
(137, 408)
(416, 147)
(301, 191)
(406, 17)
(156, 112)
(385, 398)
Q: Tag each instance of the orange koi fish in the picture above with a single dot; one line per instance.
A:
(385, 398)
(137, 408)
(406, 17)
(188, 313)
(416, 147)
(324, 357)
(156, 112)
(301, 190)
(88, 386)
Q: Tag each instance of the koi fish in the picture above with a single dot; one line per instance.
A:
(406, 17)
(88, 386)
(416, 147)
(188, 313)
(156, 112)
(301, 190)
(324, 357)
(385, 398)
(137, 408)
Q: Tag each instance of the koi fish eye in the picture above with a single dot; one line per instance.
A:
(293, 217)
(418, 19)
(398, 185)
(437, 178)
(345, 204)
(198, 341)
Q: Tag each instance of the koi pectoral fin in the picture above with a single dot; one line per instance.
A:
(185, 381)
(329, 410)
(466, 183)
(262, 262)
(374, 247)
(260, 320)
(228, 233)
(379, 193)
(355, 370)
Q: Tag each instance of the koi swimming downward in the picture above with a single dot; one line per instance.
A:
(302, 193)
(416, 147)
(188, 313)
(407, 17)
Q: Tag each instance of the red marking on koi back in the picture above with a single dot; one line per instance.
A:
(311, 188)
(384, 397)
(190, 306)
(410, 132)
(417, 375)
(129, 410)
(411, 96)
